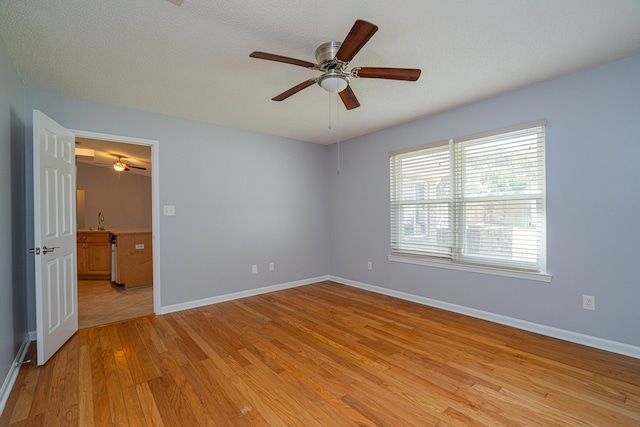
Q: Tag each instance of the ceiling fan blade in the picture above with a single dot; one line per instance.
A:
(136, 167)
(358, 36)
(349, 98)
(285, 59)
(297, 88)
(410, 74)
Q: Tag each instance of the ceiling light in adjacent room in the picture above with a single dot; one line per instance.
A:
(119, 165)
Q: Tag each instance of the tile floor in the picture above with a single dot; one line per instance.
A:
(101, 302)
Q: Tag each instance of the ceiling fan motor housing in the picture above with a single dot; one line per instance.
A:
(326, 57)
(327, 51)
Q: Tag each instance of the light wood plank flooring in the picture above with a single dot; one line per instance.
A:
(101, 302)
(323, 355)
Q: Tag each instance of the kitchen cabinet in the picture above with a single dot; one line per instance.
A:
(133, 257)
(94, 255)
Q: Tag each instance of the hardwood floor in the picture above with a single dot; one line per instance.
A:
(101, 302)
(323, 355)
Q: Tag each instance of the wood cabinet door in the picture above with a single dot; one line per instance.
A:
(94, 255)
(98, 258)
(82, 259)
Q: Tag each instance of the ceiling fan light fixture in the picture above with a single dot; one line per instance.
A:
(333, 82)
(119, 165)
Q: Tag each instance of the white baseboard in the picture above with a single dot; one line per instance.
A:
(588, 340)
(10, 380)
(237, 295)
(575, 337)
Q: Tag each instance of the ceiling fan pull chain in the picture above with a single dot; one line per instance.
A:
(338, 126)
(330, 126)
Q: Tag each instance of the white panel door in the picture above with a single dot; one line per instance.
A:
(54, 235)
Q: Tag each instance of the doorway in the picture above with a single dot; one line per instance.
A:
(113, 205)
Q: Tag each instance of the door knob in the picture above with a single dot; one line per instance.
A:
(46, 250)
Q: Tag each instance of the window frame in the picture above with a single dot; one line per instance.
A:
(454, 261)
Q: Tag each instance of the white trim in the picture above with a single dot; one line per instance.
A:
(477, 135)
(155, 199)
(540, 277)
(12, 375)
(575, 337)
(237, 295)
(500, 131)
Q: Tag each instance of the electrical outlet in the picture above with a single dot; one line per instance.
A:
(272, 266)
(588, 302)
(369, 265)
(254, 269)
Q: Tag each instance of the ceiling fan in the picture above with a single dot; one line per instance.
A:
(333, 58)
(121, 166)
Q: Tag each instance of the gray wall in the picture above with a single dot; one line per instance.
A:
(593, 205)
(241, 198)
(13, 308)
(124, 198)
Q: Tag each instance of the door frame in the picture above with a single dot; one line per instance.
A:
(155, 198)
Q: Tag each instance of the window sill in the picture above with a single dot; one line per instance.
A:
(539, 277)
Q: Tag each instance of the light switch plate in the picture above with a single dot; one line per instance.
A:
(169, 210)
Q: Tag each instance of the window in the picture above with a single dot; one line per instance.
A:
(477, 201)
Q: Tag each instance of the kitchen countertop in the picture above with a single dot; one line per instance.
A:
(118, 231)
(121, 231)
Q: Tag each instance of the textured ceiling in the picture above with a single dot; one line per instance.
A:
(192, 61)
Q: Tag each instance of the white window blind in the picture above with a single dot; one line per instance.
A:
(475, 200)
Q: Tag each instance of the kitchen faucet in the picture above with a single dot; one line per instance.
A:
(100, 221)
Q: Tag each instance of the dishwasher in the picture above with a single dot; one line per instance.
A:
(113, 258)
